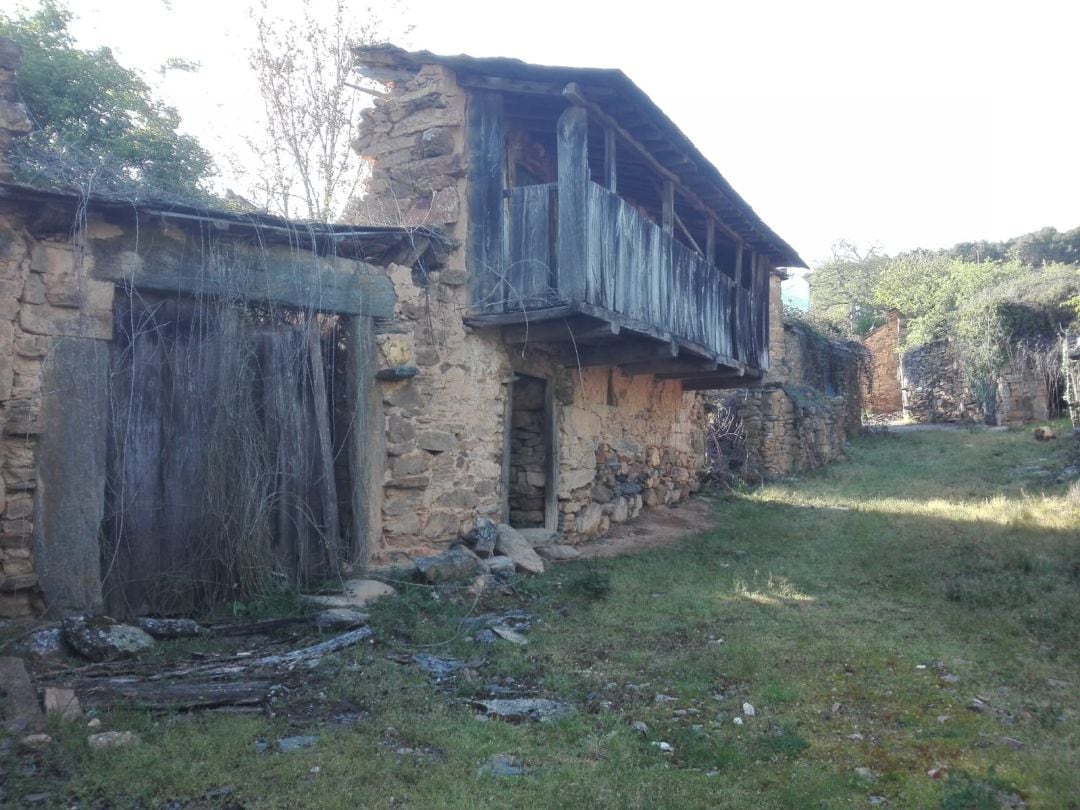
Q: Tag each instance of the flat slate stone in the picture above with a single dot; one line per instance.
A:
(516, 710)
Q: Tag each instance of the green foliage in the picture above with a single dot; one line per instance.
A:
(994, 301)
(97, 124)
(841, 290)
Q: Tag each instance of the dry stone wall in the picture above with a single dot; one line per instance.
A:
(795, 421)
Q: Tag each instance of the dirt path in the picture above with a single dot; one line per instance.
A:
(653, 529)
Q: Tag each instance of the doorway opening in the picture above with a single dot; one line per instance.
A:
(530, 462)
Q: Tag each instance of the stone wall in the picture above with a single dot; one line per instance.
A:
(881, 386)
(935, 389)
(623, 443)
(809, 405)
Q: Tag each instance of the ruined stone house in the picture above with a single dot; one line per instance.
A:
(604, 275)
(927, 383)
(519, 323)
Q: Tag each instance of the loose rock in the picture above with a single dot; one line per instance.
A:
(100, 638)
(516, 710)
(482, 538)
(641, 728)
(517, 548)
(501, 765)
(288, 745)
(507, 634)
(355, 593)
(748, 710)
(62, 703)
(457, 563)
(500, 566)
(108, 740)
(35, 743)
(558, 553)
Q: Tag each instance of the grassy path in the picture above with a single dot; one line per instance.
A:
(860, 610)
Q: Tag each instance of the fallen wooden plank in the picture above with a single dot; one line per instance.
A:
(306, 656)
(157, 695)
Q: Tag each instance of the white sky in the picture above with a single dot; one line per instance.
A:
(913, 124)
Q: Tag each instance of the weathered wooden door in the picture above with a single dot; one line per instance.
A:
(228, 425)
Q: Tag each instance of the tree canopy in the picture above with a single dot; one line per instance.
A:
(98, 126)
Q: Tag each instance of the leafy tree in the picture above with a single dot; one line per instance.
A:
(842, 289)
(97, 123)
(304, 67)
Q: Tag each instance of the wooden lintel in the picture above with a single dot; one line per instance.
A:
(621, 354)
(241, 272)
(679, 367)
(718, 383)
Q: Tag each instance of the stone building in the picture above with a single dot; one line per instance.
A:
(544, 276)
(605, 273)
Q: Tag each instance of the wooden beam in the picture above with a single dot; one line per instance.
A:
(719, 383)
(484, 255)
(489, 319)
(567, 330)
(239, 272)
(679, 366)
(573, 137)
(622, 353)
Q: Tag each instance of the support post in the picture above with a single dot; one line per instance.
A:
(710, 241)
(573, 202)
(365, 445)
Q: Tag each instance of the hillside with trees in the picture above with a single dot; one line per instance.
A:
(994, 301)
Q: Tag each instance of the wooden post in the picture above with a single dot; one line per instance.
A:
(573, 132)
(365, 445)
(610, 173)
(485, 239)
(508, 438)
(669, 207)
(710, 241)
(551, 446)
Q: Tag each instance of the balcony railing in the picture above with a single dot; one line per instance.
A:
(613, 261)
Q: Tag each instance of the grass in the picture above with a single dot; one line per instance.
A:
(859, 609)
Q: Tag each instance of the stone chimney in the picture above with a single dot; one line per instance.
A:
(14, 121)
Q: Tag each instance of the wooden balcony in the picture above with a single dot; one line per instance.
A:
(584, 268)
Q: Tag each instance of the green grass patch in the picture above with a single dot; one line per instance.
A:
(859, 609)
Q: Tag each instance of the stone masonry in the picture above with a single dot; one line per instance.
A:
(789, 424)
(881, 386)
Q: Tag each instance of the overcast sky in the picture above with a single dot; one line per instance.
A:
(913, 124)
